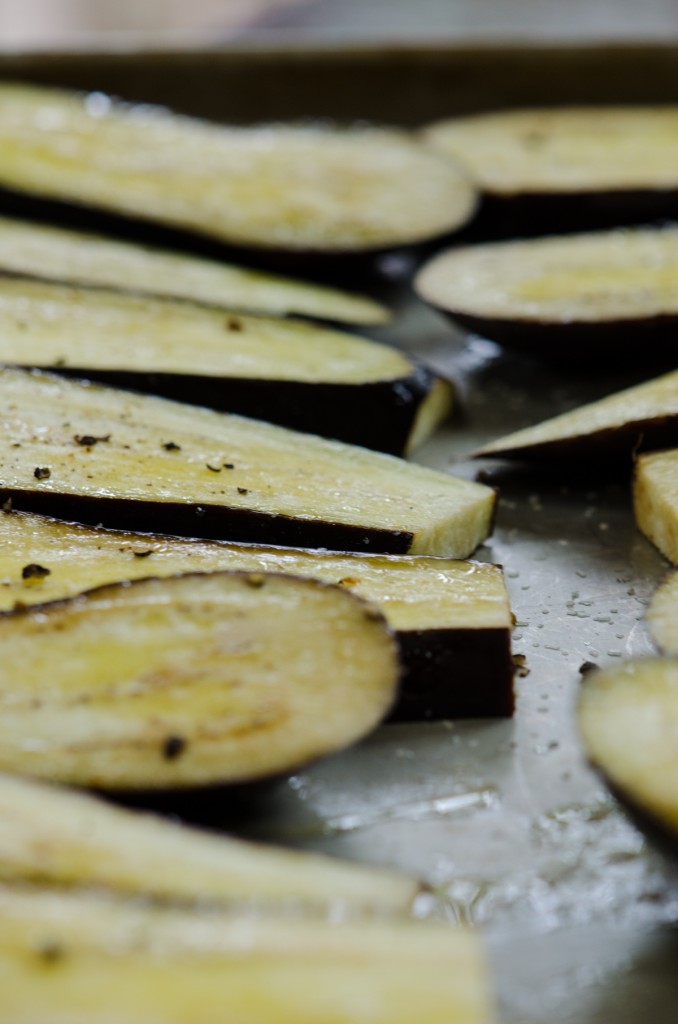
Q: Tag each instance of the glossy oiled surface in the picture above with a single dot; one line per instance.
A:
(277, 187)
(413, 592)
(45, 324)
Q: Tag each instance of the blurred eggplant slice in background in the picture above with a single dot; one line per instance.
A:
(298, 374)
(79, 258)
(90, 453)
(294, 191)
(599, 295)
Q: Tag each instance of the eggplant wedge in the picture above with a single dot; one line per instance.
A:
(655, 500)
(628, 717)
(452, 619)
(49, 253)
(190, 681)
(612, 429)
(90, 959)
(601, 295)
(278, 189)
(73, 841)
(566, 169)
(298, 374)
(662, 615)
(94, 454)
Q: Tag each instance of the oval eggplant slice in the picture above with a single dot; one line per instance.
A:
(190, 681)
(56, 837)
(569, 168)
(655, 500)
(600, 294)
(662, 615)
(181, 967)
(94, 454)
(628, 717)
(56, 254)
(284, 371)
(276, 188)
(613, 428)
(452, 619)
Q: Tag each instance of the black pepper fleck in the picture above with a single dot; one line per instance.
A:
(89, 440)
(173, 747)
(143, 554)
(33, 571)
(170, 446)
(234, 324)
(243, 490)
(42, 473)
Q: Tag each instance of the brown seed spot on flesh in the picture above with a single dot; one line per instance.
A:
(173, 747)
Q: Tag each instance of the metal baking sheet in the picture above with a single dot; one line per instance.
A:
(503, 817)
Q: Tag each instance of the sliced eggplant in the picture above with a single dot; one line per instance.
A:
(57, 254)
(567, 168)
(452, 619)
(628, 716)
(662, 615)
(644, 416)
(655, 500)
(99, 455)
(285, 371)
(193, 680)
(90, 959)
(69, 840)
(600, 294)
(276, 188)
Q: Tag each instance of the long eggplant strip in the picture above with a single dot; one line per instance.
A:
(290, 372)
(452, 618)
(191, 681)
(100, 455)
(62, 838)
(655, 500)
(277, 188)
(56, 254)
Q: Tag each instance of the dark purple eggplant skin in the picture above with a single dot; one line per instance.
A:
(610, 449)
(455, 673)
(595, 341)
(209, 522)
(531, 214)
(378, 415)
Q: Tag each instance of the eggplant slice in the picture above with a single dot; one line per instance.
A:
(74, 841)
(98, 455)
(57, 254)
(452, 619)
(193, 680)
(290, 190)
(662, 615)
(86, 958)
(566, 169)
(298, 374)
(628, 717)
(601, 295)
(612, 429)
(655, 500)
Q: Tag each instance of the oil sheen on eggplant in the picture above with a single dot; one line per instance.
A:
(286, 371)
(452, 619)
(75, 841)
(95, 454)
(603, 294)
(81, 258)
(277, 188)
(192, 680)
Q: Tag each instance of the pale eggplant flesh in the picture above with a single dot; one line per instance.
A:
(662, 615)
(655, 500)
(603, 434)
(600, 295)
(50, 253)
(94, 454)
(566, 169)
(191, 681)
(295, 191)
(74, 841)
(285, 371)
(87, 958)
(628, 718)
(452, 619)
